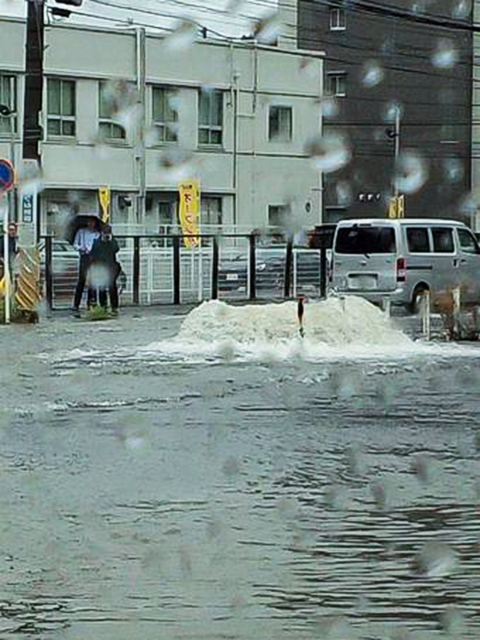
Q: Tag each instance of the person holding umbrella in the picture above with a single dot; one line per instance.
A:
(105, 269)
(83, 243)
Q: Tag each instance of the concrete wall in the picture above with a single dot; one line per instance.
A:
(247, 171)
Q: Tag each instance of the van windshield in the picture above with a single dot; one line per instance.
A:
(367, 240)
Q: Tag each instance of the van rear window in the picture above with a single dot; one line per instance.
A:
(365, 240)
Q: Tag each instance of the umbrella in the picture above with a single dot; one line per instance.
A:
(80, 221)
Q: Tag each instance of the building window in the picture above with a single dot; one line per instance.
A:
(278, 215)
(108, 129)
(280, 124)
(211, 214)
(336, 84)
(165, 116)
(8, 98)
(61, 107)
(337, 20)
(210, 117)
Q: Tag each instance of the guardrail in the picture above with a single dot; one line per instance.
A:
(174, 274)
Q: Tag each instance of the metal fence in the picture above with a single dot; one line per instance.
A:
(161, 270)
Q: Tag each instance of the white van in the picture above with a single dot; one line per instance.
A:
(402, 258)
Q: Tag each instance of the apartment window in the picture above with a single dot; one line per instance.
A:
(108, 129)
(165, 116)
(8, 95)
(210, 117)
(61, 107)
(278, 215)
(337, 20)
(336, 84)
(280, 124)
(211, 211)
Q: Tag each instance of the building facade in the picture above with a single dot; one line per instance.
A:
(384, 58)
(234, 116)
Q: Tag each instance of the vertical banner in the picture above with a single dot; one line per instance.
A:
(104, 199)
(189, 211)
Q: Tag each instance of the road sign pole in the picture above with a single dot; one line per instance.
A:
(6, 259)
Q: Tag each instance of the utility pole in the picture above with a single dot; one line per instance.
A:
(397, 144)
(32, 132)
(396, 207)
(27, 292)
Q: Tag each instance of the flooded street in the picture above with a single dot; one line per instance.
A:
(148, 493)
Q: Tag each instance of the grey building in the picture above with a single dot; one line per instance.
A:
(240, 113)
(387, 55)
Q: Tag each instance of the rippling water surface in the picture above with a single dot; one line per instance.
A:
(148, 493)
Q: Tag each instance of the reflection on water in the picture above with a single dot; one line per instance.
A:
(146, 499)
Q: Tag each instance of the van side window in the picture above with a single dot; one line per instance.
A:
(417, 239)
(442, 240)
(467, 241)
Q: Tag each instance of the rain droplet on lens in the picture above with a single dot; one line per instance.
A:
(335, 628)
(176, 164)
(452, 622)
(353, 461)
(435, 560)
(477, 441)
(268, 29)
(380, 494)
(231, 467)
(308, 67)
(30, 177)
(445, 55)
(454, 170)
(329, 152)
(329, 107)
(393, 109)
(182, 37)
(372, 74)
(336, 497)
(344, 193)
(421, 467)
(118, 96)
(99, 276)
(234, 6)
(411, 172)
(462, 9)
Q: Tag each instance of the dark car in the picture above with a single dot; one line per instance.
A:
(270, 271)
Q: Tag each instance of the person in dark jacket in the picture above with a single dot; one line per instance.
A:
(104, 268)
(12, 243)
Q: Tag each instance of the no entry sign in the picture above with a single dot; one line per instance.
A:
(7, 175)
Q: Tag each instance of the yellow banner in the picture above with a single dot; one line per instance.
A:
(104, 198)
(189, 211)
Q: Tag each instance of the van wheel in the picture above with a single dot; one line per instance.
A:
(416, 305)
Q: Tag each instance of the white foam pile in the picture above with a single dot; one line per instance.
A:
(333, 322)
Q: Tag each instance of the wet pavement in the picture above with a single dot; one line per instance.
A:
(150, 495)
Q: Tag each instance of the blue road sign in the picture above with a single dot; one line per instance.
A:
(7, 175)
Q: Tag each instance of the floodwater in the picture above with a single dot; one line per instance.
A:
(150, 495)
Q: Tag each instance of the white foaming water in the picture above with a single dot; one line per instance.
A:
(333, 322)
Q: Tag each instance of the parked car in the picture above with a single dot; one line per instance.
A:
(404, 258)
(270, 271)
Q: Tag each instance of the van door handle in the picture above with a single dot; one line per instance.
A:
(462, 261)
(455, 262)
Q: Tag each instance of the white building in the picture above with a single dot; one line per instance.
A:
(243, 111)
